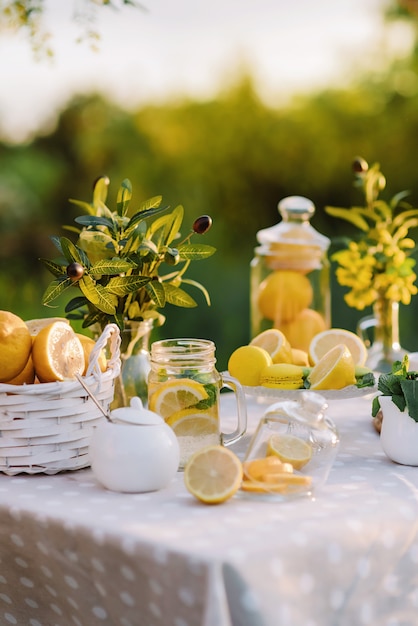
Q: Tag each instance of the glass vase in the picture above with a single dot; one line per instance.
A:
(380, 332)
(135, 363)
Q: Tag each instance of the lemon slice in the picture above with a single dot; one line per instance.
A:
(57, 353)
(261, 468)
(36, 325)
(284, 483)
(335, 370)
(15, 345)
(246, 363)
(290, 449)
(327, 339)
(213, 474)
(176, 395)
(275, 343)
(192, 423)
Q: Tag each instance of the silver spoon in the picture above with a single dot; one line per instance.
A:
(93, 397)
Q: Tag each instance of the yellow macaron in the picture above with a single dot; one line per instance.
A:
(282, 376)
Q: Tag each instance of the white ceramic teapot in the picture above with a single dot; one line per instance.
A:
(134, 451)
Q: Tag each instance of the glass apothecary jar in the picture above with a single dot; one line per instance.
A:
(290, 276)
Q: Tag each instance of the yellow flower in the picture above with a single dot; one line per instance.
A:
(378, 263)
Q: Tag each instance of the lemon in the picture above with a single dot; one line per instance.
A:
(88, 344)
(327, 339)
(275, 343)
(192, 423)
(57, 353)
(302, 329)
(290, 449)
(26, 376)
(335, 370)
(283, 295)
(246, 363)
(175, 395)
(213, 474)
(36, 325)
(300, 357)
(15, 345)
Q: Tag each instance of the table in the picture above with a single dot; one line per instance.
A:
(72, 553)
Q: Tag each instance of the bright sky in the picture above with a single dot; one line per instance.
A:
(190, 47)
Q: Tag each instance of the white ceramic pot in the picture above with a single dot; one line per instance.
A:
(399, 433)
(135, 452)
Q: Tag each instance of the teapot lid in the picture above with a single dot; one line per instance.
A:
(136, 414)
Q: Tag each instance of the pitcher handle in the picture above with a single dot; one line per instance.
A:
(232, 383)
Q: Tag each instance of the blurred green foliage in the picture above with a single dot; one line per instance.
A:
(233, 158)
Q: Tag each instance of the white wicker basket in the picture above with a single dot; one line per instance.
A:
(46, 428)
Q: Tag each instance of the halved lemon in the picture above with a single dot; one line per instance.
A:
(57, 353)
(275, 343)
(335, 370)
(213, 474)
(36, 325)
(290, 449)
(175, 395)
(192, 423)
(327, 339)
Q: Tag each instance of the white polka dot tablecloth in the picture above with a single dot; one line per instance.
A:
(74, 554)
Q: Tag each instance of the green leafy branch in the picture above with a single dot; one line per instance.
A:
(123, 265)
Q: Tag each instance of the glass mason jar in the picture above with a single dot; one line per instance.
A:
(290, 276)
(184, 388)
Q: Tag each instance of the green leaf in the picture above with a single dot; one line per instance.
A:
(97, 245)
(100, 191)
(350, 215)
(151, 203)
(143, 215)
(75, 303)
(94, 221)
(195, 252)
(194, 283)
(124, 197)
(122, 285)
(156, 292)
(111, 266)
(410, 391)
(98, 295)
(170, 225)
(55, 289)
(87, 208)
(71, 252)
(178, 297)
(54, 268)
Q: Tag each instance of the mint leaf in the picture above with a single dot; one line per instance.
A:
(410, 391)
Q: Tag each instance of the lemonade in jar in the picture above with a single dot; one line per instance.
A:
(184, 389)
(290, 285)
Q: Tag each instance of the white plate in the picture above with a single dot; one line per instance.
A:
(292, 394)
